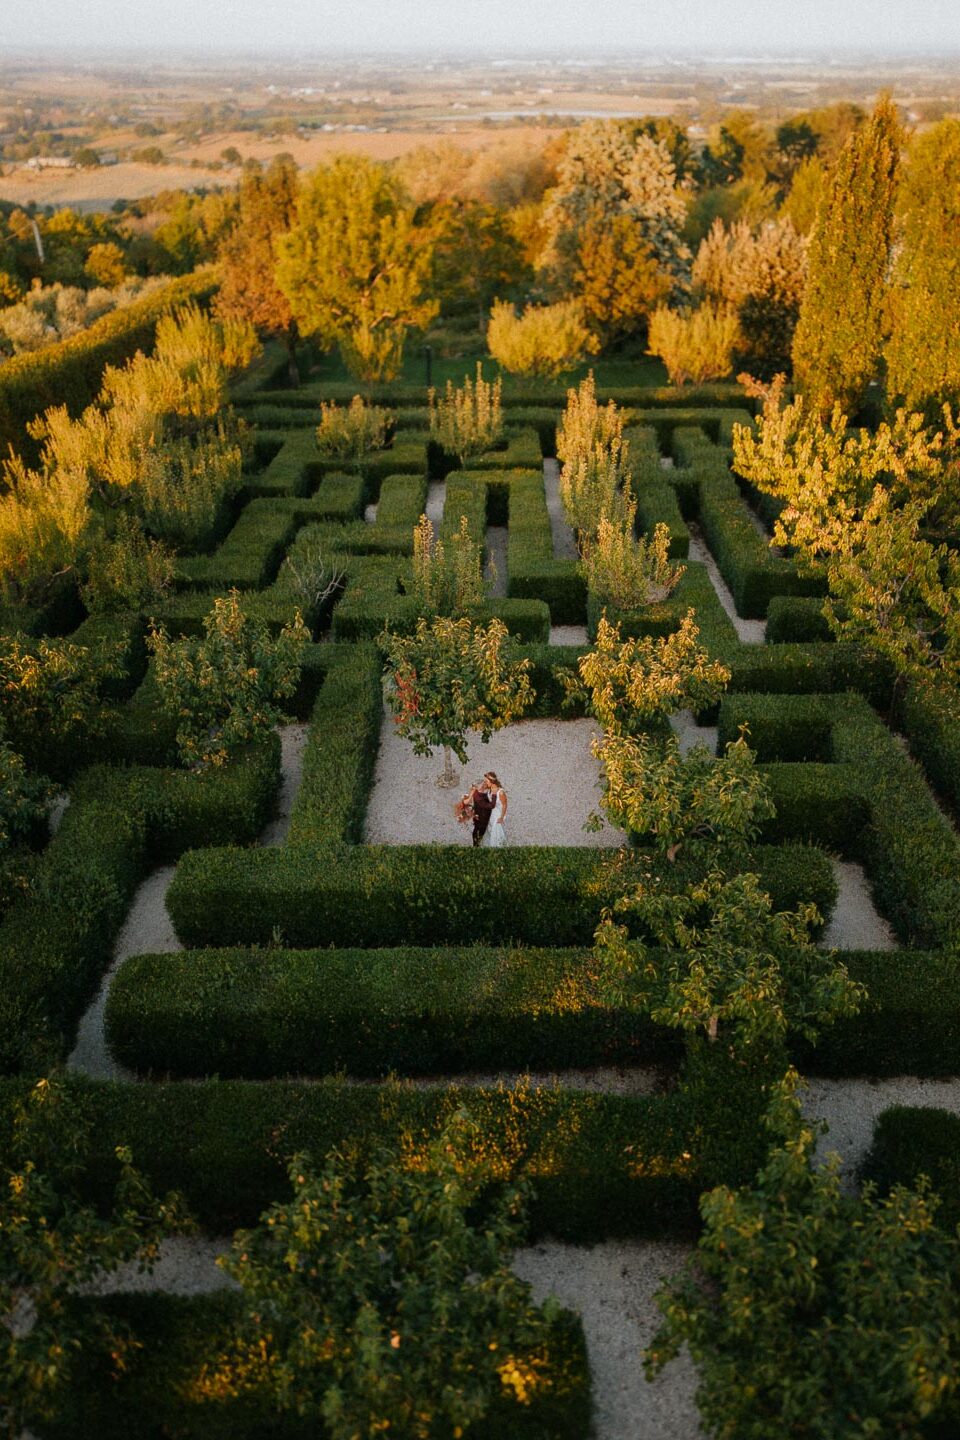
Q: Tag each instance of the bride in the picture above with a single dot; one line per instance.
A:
(496, 836)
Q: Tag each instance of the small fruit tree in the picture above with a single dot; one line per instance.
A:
(447, 576)
(595, 476)
(223, 688)
(352, 431)
(452, 676)
(467, 421)
(379, 1297)
(811, 1312)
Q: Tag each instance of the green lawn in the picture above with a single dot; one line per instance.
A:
(609, 373)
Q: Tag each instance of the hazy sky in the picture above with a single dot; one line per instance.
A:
(504, 26)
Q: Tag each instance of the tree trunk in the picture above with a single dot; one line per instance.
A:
(293, 369)
(448, 776)
(712, 1029)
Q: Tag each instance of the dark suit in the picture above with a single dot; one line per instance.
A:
(483, 803)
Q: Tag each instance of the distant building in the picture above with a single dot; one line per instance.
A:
(49, 162)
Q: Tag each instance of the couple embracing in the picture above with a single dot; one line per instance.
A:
(486, 805)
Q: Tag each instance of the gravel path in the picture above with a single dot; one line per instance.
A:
(148, 928)
(551, 778)
(496, 568)
(568, 635)
(612, 1286)
(856, 924)
(751, 632)
(689, 733)
(436, 499)
(851, 1109)
(564, 545)
(370, 513)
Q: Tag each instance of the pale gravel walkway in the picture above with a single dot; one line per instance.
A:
(148, 929)
(551, 779)
(564, 544)
(750, 632)
(856, 923)
(611, 1286)
(496, 568)
(689, 733)
(370, 513)
(436, 499)
(852, 1107)
(568, 635)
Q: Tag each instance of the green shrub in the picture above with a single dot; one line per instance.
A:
(259, 1014)
(155, 1395)
(792, 618)
(910, 1141)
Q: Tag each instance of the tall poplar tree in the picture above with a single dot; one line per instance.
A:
(923, 352)
(838, 342)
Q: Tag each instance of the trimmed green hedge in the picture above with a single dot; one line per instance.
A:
(656, 498)
(913, 1140)
(930, 717)
(260, 1014)
(792, 618)
(532, 571)
(154, 1395)
(56, 944)
(910, 850)
(908, 1025)
(70, 373)
(754, 574)
(375, 896)
(601, 1164)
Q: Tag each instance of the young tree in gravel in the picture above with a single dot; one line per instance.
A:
(626, 572)
(631, 685)
(224, 688)
(355, 266)
(923, 351)
(467, 420)
(816, 1313)
(544, 342)
(53, 1241)
(376, 1301)
(450, 677)
(447, 575)
(695, 942)
(594, 475)
(248, 285)
(348, 432)
(838, 343)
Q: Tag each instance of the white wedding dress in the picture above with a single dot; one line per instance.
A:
(496, 836)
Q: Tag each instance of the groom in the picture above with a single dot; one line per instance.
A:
(483, 803)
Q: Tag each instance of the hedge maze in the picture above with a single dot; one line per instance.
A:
(322, 961)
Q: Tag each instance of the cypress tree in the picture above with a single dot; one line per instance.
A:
(923, 352)
(838, 342)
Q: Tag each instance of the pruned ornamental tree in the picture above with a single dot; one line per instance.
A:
(447, 575)
(594, 474)
(54, 1241)
(864, 508)
(223, 689)
(632, 684)
(923, 349)
(452, 676)
(348, 432)
(816, 1313)
(378, 1299)
(355, 266)
(838, 342)
(467, 420)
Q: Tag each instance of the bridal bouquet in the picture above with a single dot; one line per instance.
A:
(464, 808)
